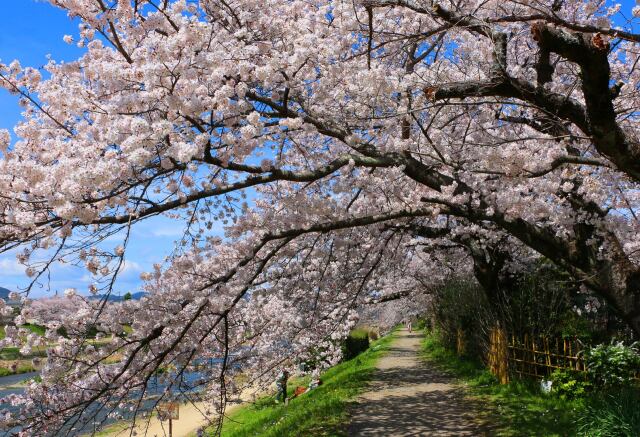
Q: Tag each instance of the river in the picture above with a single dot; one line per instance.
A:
(12, 385)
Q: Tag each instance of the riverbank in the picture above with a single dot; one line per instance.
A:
(193, 415)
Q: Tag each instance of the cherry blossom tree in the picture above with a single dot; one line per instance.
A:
(348, 148)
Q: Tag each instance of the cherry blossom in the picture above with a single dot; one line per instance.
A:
(355, 153)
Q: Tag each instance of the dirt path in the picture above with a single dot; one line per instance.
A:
(407, 397)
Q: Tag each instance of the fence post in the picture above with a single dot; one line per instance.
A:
(460, 343)
(526, 356)
(547, 352)
(498, 355)
(534, 355)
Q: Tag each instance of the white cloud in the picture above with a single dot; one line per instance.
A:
(131, 267)
(10, 267)
(173, 231)
(128, 268)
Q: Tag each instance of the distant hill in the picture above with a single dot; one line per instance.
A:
(4, 293)
(115, 298)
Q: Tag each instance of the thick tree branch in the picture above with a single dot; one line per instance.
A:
(590, 52)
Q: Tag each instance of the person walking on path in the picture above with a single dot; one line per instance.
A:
(408, 325)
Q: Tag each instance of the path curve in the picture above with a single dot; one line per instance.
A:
(408, 397)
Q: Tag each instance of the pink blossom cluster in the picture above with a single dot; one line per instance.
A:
(355, 153)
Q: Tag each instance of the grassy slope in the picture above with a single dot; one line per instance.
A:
(20, 369)
(321, 412)
(517, 408)
(12, 354)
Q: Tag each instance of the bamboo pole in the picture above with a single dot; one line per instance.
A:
(460, 342)
(501, 359)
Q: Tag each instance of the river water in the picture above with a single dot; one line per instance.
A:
(10, 385)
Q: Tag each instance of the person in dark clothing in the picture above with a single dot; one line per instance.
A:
(281, 382)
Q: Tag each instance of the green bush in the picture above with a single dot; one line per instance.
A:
(612, 365)
(356, 343)
(461, 304)
(613, 414)
(538, 301)
(569, 384)
(422, 323)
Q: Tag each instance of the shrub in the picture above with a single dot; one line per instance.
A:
(422, 323)
(372, 331)
(62, 331)
(356, 343)
(536, 302)
(611, 365)
(569, 384)
(460, 304)
(614, 414)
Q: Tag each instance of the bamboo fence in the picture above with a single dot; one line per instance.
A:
(539, 356)
(532, 356)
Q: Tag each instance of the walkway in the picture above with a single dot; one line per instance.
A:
(407, 397)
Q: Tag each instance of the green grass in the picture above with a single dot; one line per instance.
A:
(13, 353)
(36, 329)
(23, 368)
(10, 353)
(320, 412)
(612, 414)
(517, 408)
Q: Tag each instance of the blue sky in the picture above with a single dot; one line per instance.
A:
(29, 31)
